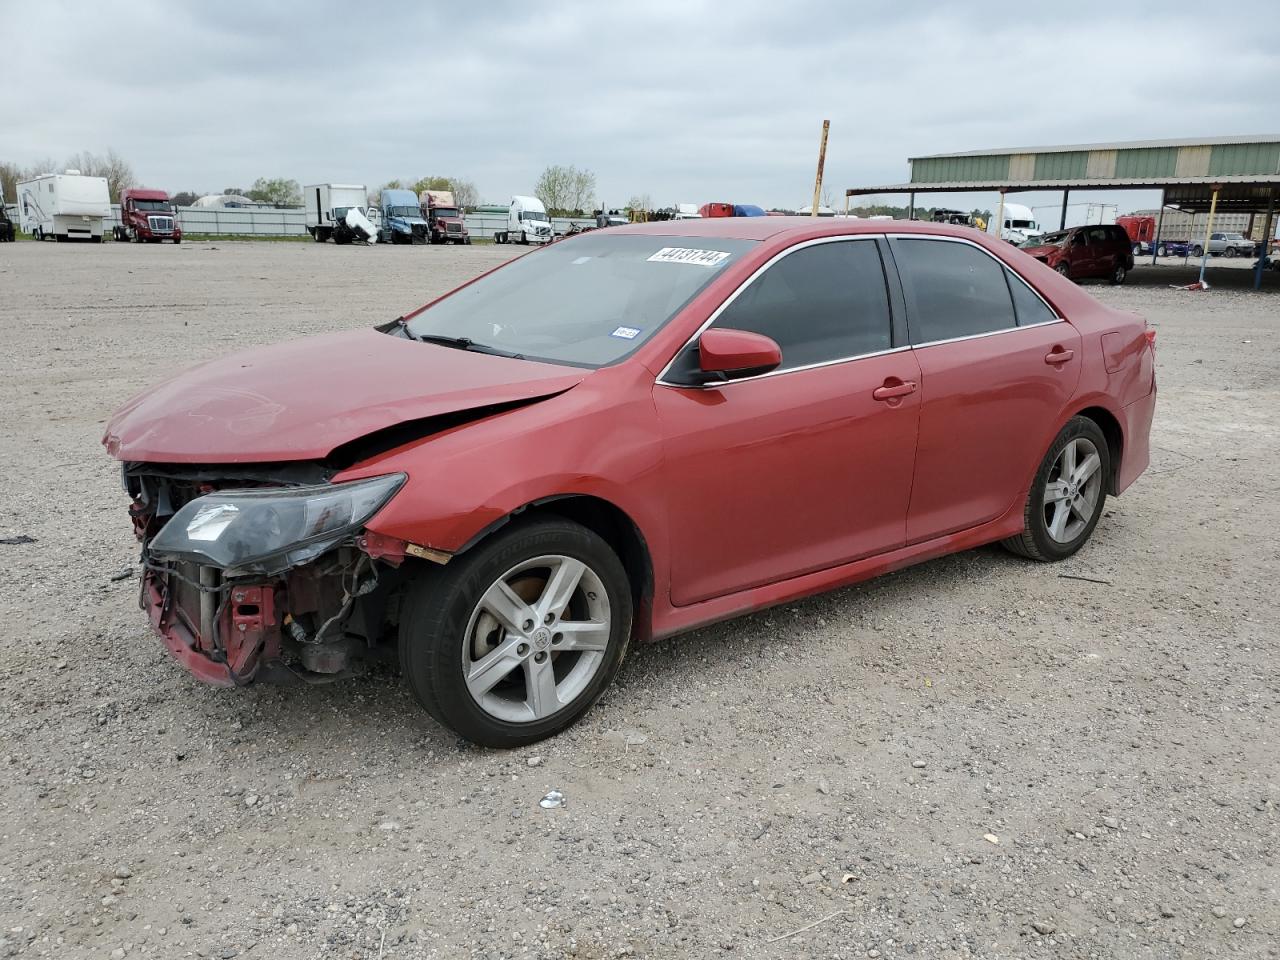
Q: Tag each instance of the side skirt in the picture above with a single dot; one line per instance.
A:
(674, 620)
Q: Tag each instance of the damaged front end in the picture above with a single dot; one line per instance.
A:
(264, 570)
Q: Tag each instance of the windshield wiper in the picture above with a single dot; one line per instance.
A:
(459, 343)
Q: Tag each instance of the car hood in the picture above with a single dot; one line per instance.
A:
(1043, 250)
(303, 399)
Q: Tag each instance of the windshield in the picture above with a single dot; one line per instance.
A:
(403, 212)
(446, 211)
(1046, 240)
(152, 205)
(534, 215)
(1024, 225)
(586, 301)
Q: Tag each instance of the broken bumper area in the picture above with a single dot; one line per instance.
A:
(243, 582)
(226, 647)
(311, 623)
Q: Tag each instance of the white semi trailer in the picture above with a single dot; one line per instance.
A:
(338, 210)
(64, 206)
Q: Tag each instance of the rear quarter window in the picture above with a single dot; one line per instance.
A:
(953, 290)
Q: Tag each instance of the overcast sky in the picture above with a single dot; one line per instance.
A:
(687, 101)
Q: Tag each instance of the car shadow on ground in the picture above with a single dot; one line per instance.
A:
(379, 700)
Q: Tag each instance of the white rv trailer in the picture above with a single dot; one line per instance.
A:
(64, 206)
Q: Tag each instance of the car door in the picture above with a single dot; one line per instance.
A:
(997, 369)
(807, 466)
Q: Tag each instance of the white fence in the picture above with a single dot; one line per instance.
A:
(266, 222)
(271, 222)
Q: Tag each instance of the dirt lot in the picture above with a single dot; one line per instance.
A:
(833, 764)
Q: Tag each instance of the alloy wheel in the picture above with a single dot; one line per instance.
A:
(536, 639)
(1072, 490)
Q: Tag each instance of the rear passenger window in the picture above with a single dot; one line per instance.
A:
(1027, 304)
(821, 303)
(953, 290)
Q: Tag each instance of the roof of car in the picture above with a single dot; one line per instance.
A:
(767, 228)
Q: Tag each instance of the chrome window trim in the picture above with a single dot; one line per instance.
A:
(715, 315)
(1057, 318)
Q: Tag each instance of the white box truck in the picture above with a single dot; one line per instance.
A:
(527, 222)
(64, 206)
(337, 211)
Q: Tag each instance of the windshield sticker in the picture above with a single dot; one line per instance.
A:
(703, 258)
(626, 333)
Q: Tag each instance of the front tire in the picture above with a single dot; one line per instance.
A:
(1063, 270)
(512, 641)
(1118, 273)
(1067, 494)
(1197, 251)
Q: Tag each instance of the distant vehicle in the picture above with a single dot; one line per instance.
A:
(1019, 225)
(687, 211)
(6, 225)
(748, 210)
(527, 222)
(1100, 250)
(1140, 230)
(716, 210)
(146, 216)
(64, 206)
(402, 220)
(610, 220)
(445, 223)
(1228, 245)
(957, 217)
(329, 213)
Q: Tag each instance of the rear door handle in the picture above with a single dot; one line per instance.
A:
(894, 389)
(1058, 355)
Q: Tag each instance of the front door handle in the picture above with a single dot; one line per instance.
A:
(894, 389)
(1058, 355)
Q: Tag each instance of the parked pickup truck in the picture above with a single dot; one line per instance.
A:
(1229, 245)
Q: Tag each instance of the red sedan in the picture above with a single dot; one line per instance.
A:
(625, 435)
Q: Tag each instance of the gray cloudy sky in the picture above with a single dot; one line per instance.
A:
(685, 100)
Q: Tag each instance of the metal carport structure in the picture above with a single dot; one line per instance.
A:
(1240, 174)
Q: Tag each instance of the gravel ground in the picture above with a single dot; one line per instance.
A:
(976, 757)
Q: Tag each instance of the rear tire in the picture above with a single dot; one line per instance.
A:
(1162, 251)
(1197, 251)
(1066, 496)
(1118, 273)
(447, 631)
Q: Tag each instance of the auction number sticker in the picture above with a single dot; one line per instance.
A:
(701, 258)
(626, 333)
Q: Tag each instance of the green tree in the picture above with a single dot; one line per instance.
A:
(110, 166)
(565, 190)
(278, 192)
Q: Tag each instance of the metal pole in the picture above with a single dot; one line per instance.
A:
(911, 205)
(1000, 216)
(1155, 242)
(1208, 232)
(846, 204)
(1062, 223)
(1266, 241)
(822, 158)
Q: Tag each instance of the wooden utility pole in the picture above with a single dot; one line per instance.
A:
(822, 158)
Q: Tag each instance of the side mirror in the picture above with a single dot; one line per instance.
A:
(724, 351)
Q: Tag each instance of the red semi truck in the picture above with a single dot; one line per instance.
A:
(147, 216)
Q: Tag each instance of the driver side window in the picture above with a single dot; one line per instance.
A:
(821, 303)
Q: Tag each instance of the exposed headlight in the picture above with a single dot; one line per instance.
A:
(270, 530)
